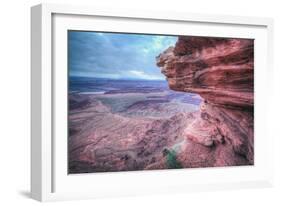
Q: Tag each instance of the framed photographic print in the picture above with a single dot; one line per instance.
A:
(134, 102)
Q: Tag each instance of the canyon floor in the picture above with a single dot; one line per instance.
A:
(128, 126)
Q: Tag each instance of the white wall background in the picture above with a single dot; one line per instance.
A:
(15, 95)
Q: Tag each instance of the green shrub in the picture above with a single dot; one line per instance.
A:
(171, 160)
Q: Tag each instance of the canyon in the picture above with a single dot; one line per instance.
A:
(130, 125)
(202, 116)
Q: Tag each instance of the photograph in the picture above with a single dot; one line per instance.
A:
(154, 101)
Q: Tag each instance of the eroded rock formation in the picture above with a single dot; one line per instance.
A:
(221, 71)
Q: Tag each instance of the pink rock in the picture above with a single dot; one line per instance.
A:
(221, 71)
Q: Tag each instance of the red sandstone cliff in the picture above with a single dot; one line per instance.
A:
(221, 71)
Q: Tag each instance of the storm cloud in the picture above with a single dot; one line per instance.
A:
(116, 55)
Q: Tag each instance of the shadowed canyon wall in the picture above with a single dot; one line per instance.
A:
(221, 71)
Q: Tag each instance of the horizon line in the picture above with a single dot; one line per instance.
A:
(119, 78)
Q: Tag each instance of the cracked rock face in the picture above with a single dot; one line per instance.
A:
(221, 71)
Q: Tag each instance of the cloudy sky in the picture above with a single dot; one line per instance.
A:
(118, 56)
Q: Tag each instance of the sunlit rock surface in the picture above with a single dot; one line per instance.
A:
(221, 71)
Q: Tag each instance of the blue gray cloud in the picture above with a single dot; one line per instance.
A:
(116, 55)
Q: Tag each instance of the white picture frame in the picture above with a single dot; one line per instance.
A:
(49, 180)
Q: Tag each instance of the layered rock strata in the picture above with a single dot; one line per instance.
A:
(221, 71)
